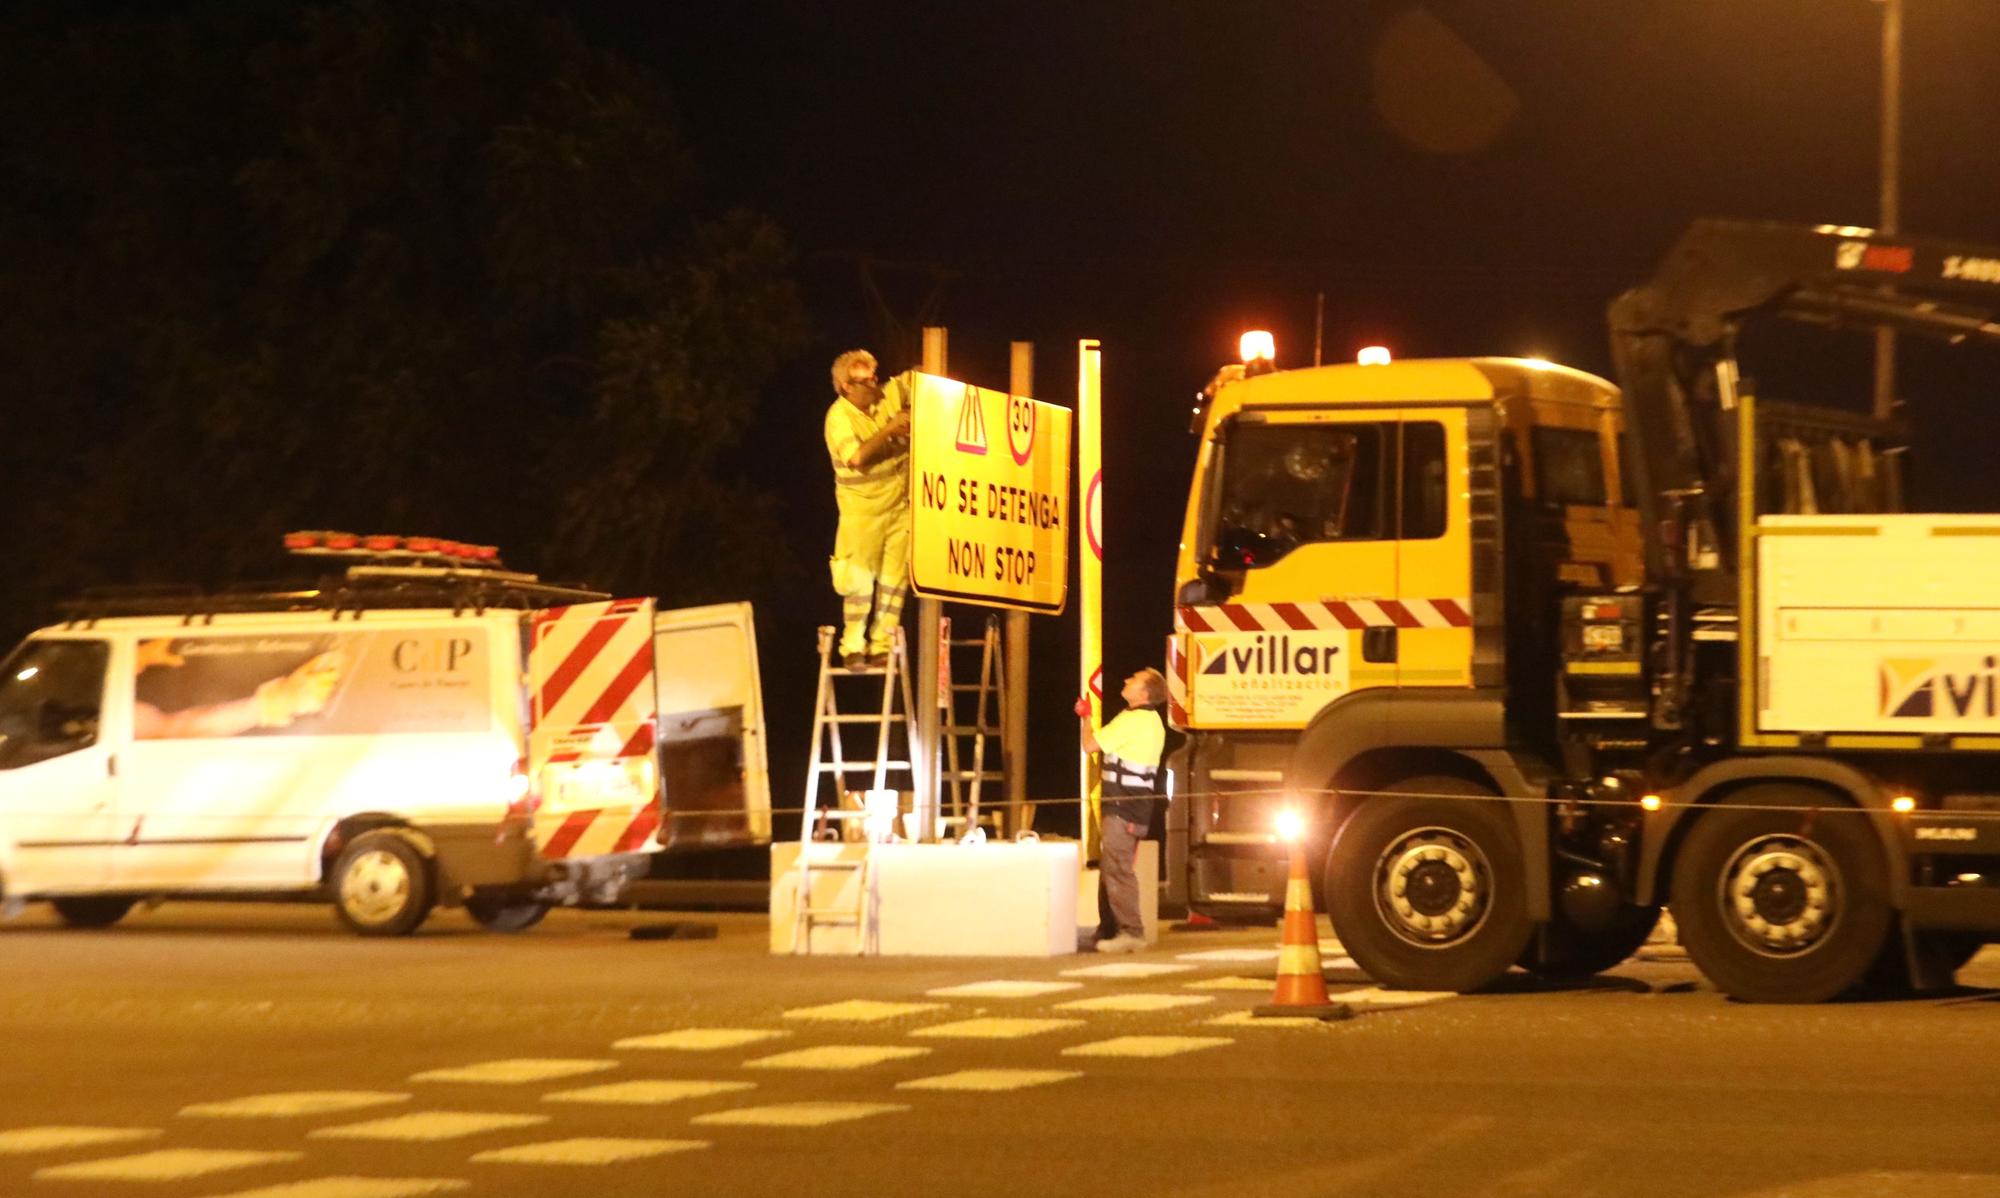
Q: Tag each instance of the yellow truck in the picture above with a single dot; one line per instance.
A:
(1538, 654)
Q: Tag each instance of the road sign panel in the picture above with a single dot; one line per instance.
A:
(988, 527)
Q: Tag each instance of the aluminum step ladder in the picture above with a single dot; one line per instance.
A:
(839, 820)
(970, 729)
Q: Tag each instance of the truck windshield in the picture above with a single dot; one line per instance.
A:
(1286, 485)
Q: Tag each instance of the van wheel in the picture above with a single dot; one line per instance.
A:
(382, 885)
(1783, 904)
(93, 911)
(1427, 892)
(500, 911)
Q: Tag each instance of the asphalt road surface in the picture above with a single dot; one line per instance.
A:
(215, 1049)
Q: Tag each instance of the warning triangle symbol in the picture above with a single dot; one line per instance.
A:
(972, 423)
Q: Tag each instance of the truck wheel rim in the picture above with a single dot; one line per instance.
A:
(376, 887)
(1432, 887)
(1781, 895)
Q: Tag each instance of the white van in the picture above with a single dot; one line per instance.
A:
(398, 738)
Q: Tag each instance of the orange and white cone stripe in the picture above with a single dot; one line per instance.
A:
(1301, 988)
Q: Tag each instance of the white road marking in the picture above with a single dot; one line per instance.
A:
(647, 1093)
(799, 1114)
(996, 1028)
(1231, 983)
(1246, 1019)
(514, 1071)
(837, 1056)
(1004, 989)
(1337, 962)
(19, 1140)
(356, 1187)
(1126, 969)
(990, 1080)
(1146, 1046)
(1136, 1002)
(1231, 954)
(585, 1151)
(1375, 996)
(297, 1102)
(862, 1010)
(427, 1125)
(167, 1164)
(702, 1039)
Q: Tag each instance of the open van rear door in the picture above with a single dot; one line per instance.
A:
(711, 713)
(593, 716)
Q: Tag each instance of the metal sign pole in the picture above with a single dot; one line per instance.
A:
(1014, 691)
(924, 754)
(1090, 570)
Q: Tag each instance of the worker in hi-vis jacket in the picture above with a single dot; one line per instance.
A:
(1132, 744)
(868, 439)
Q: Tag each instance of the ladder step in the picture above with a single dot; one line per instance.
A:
(970, 775)
(860, 671)
(861, 768)
(969, 730)
(894, 717)
(972, 686)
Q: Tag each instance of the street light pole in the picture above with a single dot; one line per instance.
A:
(1891, 171)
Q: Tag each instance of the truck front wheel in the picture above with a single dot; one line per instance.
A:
(1781, 895)
(1425, 888)
(382, 885)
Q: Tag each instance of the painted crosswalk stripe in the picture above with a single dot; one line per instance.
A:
(1375, 996)
(1126, 969)
(702, 1039)
(1230, 983)
(996, 1028)
(1003, 989)
(1136, 1002)
(837, 1056)
(1246, 1019)
(1230, 954)
(646, 1093)
(990, 1080)
(166, 1164)
(427, 1126)
(861, 1010)
(514, 1071)
(20, 1140)
(798, 1114)
(1146, 1046)
(294, 1103)
(585, 1150)
(355, 1187)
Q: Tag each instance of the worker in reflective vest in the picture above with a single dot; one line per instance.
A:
(1131, 743)
(867, 437)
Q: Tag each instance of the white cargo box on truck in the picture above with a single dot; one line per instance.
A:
(1874, 623)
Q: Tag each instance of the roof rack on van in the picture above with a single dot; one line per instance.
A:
(360, 588)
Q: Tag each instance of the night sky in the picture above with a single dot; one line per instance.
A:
(1456, 177)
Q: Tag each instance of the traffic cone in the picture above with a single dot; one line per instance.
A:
(1301, 989)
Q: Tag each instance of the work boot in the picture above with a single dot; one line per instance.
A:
(879, 661)
(855, 661)
(1122, 943)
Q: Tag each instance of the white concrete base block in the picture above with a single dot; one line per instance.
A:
(943, 900)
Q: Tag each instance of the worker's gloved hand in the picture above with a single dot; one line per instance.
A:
(899, 424)
(1083, 707)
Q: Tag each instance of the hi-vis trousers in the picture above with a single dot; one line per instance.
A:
(871, 570)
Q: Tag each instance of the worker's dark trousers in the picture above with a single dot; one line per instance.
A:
(1118, 879)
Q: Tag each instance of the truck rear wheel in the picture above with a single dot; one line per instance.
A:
(1778, 902)
(503, 911)
(93, 911)
(382, 885)
(1426, 891)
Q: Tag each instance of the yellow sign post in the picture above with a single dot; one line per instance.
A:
(989, 493)
(1090, 571)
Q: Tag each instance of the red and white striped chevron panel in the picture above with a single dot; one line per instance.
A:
(593, 704)
(1327, 614)
(1177, 681)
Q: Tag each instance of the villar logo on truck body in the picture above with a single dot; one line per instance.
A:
(1271, 655)
(1960, 687)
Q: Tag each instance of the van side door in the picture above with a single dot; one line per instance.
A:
(712, 756)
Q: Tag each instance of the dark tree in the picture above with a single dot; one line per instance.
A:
(417, 267)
